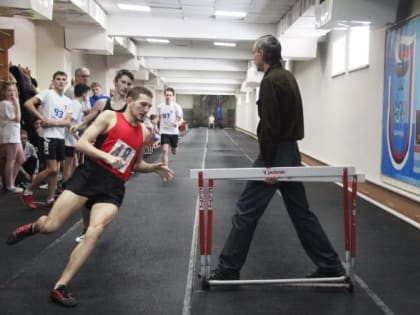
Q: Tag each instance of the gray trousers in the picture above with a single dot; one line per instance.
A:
(252, 204)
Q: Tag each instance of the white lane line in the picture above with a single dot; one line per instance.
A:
(387, 209)
(391, 211)
(384, 207)
(375, 298)
(37, 257)
(247, 156)
(193, 252)
(235, 143)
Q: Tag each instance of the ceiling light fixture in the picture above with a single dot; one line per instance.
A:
(226, 44)
(235, 14)
(133, 7)
(157, 40)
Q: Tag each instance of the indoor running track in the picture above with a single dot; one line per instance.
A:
(147, 260)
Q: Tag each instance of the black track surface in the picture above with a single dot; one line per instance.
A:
(141, 264)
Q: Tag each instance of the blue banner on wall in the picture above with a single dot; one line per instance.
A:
(401, 115)
(219, 112)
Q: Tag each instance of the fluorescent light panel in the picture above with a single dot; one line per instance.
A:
(133, 7)
(157, 40)
(236, 14)
(224, 44)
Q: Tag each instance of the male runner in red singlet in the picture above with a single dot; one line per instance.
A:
(114, 144)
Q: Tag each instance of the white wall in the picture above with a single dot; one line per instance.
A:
(186, 101)
(22, 52)
(343, 115)
(50, 52)
(52, 56)
(77, 60)
(40, 47)
(246, 112)
(98, 71)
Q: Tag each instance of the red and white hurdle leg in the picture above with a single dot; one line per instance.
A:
(353, 223)
(202, 226)
(346, 216)
(209, 238)
(321, 174)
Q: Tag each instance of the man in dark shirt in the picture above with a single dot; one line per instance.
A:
(280, 127)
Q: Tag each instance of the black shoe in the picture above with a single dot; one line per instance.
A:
(20, 233)
(325, 273)
(58, 192)
(63, 297)
(21, 185)
(218, 274)
(49, 203)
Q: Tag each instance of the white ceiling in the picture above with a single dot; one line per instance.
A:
(189, 63)
(259, 11)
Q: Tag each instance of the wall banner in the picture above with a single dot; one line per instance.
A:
(401, 114)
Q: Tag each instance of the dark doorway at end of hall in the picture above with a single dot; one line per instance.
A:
(222, 107)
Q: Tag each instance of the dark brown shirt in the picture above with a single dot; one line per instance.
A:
(280, 111)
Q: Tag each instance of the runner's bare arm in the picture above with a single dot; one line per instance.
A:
(31, 106)
(144, 167)
(95, 110)
(105, 121)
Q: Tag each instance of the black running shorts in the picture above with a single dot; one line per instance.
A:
(52, 149)
(97, 184)
(69, 151)
(172, 140)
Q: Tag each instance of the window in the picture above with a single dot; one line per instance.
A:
(358, 47)
(338, 65)
(350, 51)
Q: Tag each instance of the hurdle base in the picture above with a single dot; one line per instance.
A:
(330, 282)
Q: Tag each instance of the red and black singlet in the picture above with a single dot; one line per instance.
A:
(123, 140)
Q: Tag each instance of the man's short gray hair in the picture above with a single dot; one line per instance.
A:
(271, 47)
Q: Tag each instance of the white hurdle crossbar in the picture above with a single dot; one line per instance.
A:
(300, 173)
(341, 174)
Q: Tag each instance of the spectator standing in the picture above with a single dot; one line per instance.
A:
(53, 109)
(11, 151)
(81, 76)
(154, 119)
(97, 94)
(81, 91)
(31, 164)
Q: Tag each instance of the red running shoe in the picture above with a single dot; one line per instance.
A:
(63, 297)
(28, 201)
(20, 233)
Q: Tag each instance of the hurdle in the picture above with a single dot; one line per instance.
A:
(341, 174)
